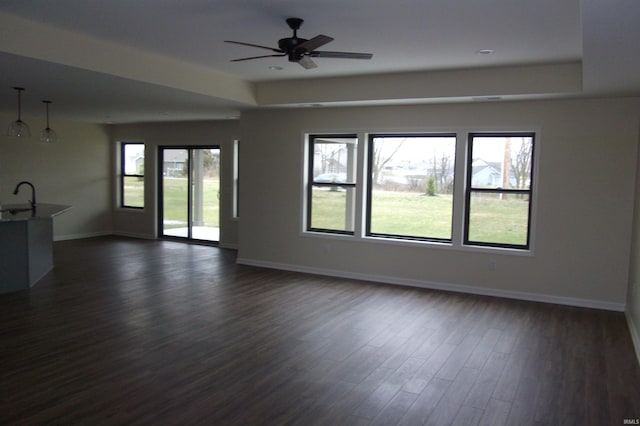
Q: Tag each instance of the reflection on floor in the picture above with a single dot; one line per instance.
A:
(206, 233)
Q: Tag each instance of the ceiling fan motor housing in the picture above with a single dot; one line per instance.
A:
(290, 46)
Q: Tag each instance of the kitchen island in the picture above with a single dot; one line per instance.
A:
(26, 244)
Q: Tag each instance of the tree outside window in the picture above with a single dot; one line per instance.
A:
(499, 189)
(410, 191)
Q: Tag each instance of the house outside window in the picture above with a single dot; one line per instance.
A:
(499, 189)
(410, 190)
(331, 183)
(423, 187)
(132, 175)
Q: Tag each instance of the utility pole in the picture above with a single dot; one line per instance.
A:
(506, 162)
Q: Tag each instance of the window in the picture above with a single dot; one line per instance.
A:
(499, 189)
(132, 175)
(236, 180)
(331, 183)
(410, 190)
(459, 188)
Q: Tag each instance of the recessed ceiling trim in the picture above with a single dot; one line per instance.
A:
(40, 41)
(479, 82)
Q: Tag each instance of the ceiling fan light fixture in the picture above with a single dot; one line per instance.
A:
(18, 128)
(48, 135)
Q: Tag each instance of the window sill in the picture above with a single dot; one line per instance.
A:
(418, 243)
(130, 209)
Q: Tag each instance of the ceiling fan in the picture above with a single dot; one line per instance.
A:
(301, 50)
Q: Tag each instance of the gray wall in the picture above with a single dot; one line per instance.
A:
(75, 171)
(144, 223)
(585, 200)
(587, 235)
(633, 297)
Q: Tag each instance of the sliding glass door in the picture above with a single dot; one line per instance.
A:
(190, 192)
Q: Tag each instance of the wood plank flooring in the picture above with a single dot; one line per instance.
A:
(127, 331)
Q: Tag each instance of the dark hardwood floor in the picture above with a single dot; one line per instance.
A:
(127, 331)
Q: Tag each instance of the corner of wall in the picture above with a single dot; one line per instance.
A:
(633, 290)
(634, 330)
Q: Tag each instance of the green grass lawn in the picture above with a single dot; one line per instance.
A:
(395, 213)
(498, 221)
(411, 214)
(175, 200)
(328, 209)
(133, 192)
(418, 215)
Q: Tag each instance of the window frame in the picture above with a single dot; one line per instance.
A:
(124, 175)
(310, 181)
(461, 197)
(235, 204)
(469, 190)
(369, 190)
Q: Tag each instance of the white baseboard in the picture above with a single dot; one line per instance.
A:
(134, 235)
(101, 234)
(229, 246)
(80, 236)
(635, 334)
(534, 297)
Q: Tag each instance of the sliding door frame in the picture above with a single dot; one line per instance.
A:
(189, 149)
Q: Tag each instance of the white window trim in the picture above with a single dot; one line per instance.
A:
(457, 237)
(119, 176)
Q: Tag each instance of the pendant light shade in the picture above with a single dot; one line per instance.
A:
(48, 135)
(18, 128)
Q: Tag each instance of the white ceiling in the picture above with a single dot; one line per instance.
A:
(403, 35)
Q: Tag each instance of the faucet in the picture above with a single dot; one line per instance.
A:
(33, 192)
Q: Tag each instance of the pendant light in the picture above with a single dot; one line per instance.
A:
(48, 135)
(18, 128)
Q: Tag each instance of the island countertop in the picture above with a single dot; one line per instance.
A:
(18, 212)
(26, 244)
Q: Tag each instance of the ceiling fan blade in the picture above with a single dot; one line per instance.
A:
(258, 57)
(314, 43)
(340, 55)
(307, 63)
(273, 49)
